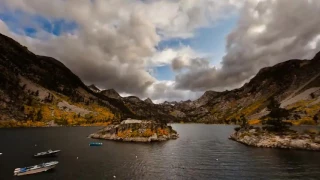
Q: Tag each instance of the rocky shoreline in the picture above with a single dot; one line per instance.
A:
(136, 131)
(264, 139)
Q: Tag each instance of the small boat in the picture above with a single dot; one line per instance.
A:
(48, 153)
(0, 153)
(35, 169)
(95, 144)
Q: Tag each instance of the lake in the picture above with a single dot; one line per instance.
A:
(201, 152)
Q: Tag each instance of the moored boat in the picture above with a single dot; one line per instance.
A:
(95, 144)
(48, 153)
(35, 169)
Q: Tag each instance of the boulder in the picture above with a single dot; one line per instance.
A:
(317, 139)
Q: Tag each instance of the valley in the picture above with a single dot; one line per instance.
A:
(41, 91)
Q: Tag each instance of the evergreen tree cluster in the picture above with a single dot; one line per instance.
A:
(34, 115)
(275, 119)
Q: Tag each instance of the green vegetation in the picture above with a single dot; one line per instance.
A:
(146, 133)
(274, 121)
(244, 122)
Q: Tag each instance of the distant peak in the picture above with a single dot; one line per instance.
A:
(111, 93)
(94, 88)
(207, 93)
(317, 57)
(148, 100)
(110, 90)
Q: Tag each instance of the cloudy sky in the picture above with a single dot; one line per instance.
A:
(165, 49)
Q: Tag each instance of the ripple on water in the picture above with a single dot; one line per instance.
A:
(201, 152)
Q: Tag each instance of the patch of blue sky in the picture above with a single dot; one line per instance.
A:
(208, 40)
(163, 73)
(28, 24)
(11, 19)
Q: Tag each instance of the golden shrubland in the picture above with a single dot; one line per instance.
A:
(39, 113)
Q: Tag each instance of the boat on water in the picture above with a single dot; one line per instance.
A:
(95, 144)
(0, 154)
(35, 169)
(48, 153)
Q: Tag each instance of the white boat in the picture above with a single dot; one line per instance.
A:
(35, 169)
(0, 153)
(47, 153)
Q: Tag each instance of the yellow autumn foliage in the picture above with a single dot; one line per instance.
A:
(162, 132)
(254, 122)
(147, 133)
(304, 121)
(46, 113)
(253, 107)
(124, 134)
(14, 124)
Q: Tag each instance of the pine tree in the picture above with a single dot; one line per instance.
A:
(244, 121)
(275, 117)
(39, 115)
(316, 117)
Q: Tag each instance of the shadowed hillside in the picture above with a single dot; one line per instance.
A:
(294, 83)
(35, 90)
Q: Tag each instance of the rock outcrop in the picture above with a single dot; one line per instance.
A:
(111, 93)
(94, 88)
(136, 131)
(148, 100)
(264, 139)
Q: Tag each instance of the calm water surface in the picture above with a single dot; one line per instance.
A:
(201, 152)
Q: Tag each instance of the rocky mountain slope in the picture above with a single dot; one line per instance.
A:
(111, 93)
(143, 109)
(294, 83)
(94, 88)
(35, 90)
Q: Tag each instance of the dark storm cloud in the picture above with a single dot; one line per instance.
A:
(268, 32)
(115, 38)
(181, 62)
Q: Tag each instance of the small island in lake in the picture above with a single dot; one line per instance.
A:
(286, 140)
(131, 130)
(276, 132)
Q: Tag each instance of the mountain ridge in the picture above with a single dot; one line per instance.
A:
(41, 89)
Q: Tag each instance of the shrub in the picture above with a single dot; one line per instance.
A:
(311, 131)
(244, 121)
(254, 121)
(162, 132)
(135, 133)
(173, 131)
(306, 122)
(125, 133)
(147, 133)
